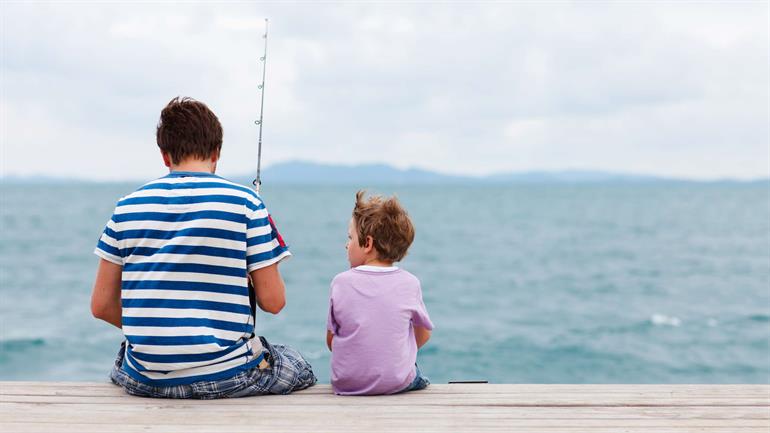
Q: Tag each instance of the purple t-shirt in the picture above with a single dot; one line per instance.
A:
(372, 314)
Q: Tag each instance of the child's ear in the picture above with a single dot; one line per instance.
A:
(369, 244)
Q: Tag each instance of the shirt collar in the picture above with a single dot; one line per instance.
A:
(190, 173)
(376, 268)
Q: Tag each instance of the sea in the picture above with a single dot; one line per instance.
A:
(529, 283)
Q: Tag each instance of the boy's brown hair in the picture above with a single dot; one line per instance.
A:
(187, 128)
(386, 222)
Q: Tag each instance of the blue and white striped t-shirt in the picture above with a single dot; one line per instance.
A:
(186, 242)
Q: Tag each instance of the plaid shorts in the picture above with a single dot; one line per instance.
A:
(288, 372)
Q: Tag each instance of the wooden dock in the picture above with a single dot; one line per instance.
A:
(102, 407)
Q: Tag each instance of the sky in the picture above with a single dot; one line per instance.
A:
(676, 89)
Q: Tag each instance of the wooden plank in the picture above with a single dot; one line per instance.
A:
(30, 412)
(525, 395)
(146, 428)
(760, 412)
(485, 416)
(372, 418)
(99, 388)
(540, 399)
(90, 407)
(442, 424)
(297, 400)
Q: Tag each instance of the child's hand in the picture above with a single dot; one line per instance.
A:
(421, 335)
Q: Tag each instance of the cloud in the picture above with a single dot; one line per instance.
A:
(669, 89)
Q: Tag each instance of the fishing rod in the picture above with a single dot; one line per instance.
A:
(258, 181)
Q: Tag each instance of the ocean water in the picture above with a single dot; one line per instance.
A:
(664, 283)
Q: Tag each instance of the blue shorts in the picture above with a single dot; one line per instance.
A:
(419, 382)
(288, 372)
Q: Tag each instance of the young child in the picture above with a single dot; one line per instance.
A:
(377, 319)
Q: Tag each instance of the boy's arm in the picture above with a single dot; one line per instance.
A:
(269, 288)
(329, 337)
(105, 299)
(421, 335)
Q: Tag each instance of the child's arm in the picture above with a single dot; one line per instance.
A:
(421, 335)
(329, 337)
(105, 298)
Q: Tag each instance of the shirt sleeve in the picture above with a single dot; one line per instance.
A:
(331, 323)
(420, 315)
(109, 245)
(264, 244)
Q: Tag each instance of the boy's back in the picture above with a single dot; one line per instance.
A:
(186, 242)
(176, 259)
(372, 315)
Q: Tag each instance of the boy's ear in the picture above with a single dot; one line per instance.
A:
(166, 158)
(369, 244)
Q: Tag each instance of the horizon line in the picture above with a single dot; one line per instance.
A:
(473, 177)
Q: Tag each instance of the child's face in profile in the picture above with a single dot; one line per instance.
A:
(356, 253)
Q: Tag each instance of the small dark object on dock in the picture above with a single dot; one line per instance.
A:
(467, 381)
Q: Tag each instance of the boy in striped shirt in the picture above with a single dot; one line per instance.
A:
(176, 260)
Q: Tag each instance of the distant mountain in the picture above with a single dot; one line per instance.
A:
(574, 176)
(300, 172)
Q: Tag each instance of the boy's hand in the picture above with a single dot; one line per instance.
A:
(329, 338)
(421, 335)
